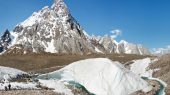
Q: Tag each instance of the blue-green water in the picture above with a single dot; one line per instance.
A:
(79, 86)
(57, 75)
(161, 91)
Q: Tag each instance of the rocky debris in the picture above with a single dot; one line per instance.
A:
(163, 64)
(29, 92)
(155, 87)
(78, 91)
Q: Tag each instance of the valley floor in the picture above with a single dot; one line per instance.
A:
(49, 62)
(29, 92)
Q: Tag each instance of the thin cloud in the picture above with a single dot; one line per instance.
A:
(116, 33)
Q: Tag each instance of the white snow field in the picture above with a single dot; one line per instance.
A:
(8, 73)
(99, 76)
(140, 67)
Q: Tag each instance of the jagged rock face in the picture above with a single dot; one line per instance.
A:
(108, 43)
(112, 46)
(129, 48)
(143, 50)
(125, 47)
(52, 30)
(5, 41)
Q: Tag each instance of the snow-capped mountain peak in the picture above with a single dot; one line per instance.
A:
(54, 30)
(58, 2)
(60, 7)
(123, 42)
(51, 30)
(130, 48)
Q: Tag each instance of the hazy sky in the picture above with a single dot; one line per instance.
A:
(141, 21)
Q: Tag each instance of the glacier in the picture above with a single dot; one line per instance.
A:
(99, 76)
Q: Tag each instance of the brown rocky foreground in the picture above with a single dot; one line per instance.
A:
(29, 92)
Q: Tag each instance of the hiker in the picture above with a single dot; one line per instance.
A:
(9, 86)
(6, 88)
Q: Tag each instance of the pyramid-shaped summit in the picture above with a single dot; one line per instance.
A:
(53, 30)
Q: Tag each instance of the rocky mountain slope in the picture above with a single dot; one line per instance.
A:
(123, 47)
(54, 30)
(5, 41)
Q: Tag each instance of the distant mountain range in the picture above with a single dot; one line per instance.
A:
(54, 30)
(161, 51)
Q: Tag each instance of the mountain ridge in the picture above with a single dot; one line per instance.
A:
(54, 30)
